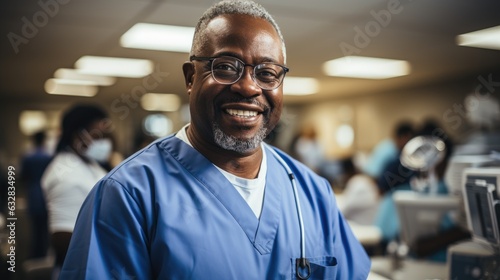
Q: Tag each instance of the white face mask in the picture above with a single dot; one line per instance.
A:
(99, 150)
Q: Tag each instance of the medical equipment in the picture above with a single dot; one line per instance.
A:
(301, 262)
(422, 154)
(479, 258)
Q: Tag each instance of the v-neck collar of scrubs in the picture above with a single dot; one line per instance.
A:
(252, 190)
(261, 232)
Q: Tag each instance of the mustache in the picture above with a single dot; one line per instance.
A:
(235, 99)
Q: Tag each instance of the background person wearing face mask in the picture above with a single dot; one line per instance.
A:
(83, 147)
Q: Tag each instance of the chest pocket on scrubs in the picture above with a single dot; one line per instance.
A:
(321, 268)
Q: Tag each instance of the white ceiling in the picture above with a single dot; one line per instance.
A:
(420, 31)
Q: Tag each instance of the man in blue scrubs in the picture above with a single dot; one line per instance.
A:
(213, 201)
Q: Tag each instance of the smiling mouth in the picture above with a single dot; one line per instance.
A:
(241, 113)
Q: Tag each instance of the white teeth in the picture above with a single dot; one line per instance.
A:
(241, 113)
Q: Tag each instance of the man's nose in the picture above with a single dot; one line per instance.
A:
(246, 85)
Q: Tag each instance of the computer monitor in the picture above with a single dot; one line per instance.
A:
(421, 215)
(454, 179)
(481, 191)
(455, 169)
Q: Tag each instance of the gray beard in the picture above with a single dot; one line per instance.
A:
(232, 143)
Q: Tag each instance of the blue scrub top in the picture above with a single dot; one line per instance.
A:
(168, 213)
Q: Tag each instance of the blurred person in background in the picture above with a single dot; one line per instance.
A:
(431, 247)
(308, 149)
(386, 166)
(33, 165)
(387, 150)
(360, 197)
(84, 145)
(391, 177)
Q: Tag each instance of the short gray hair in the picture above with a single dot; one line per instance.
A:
(240, 7)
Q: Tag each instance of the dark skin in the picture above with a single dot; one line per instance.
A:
(254, 41)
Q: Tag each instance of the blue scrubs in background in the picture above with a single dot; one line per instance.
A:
(168, 213)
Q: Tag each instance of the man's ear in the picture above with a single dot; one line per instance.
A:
(188, 70)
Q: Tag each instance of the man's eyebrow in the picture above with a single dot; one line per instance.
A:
(268, 59)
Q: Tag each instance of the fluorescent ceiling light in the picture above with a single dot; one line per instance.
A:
(73, 74)
(158, 37)
(488, 38)
(114, 66)
(366, 67)
(166, 102)
(71, 87)
(300, 86)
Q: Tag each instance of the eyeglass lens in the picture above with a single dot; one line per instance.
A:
(228, 70)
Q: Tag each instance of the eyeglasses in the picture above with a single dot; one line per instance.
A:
(227, 70)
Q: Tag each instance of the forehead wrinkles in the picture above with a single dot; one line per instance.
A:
(244, 32)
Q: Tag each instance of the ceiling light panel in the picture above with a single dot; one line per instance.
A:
(70, 87)
(114, 66)
(300, 86)
(366, 67)
(158, 37)
(488, 38)
(73, 74)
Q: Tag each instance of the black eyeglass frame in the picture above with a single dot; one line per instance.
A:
(212, 58)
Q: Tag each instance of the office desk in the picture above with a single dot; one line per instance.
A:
(410, 269)
(375, 276)
(367, 235)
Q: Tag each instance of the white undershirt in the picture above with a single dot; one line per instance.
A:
(252, 190)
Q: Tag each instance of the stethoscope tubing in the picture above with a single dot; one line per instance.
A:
(303, 261)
